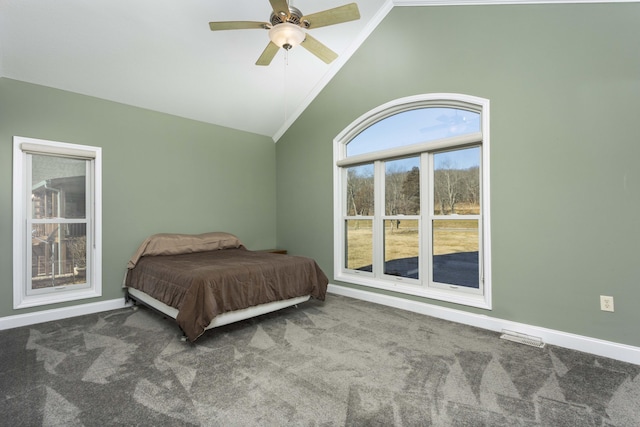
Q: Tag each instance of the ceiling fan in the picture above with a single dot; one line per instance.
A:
(287, 27)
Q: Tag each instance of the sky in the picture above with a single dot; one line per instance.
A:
(412, 127)
(418, 126)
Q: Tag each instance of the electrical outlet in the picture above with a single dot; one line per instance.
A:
(606, 303)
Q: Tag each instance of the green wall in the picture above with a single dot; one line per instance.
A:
(564, 86)
(161, 174)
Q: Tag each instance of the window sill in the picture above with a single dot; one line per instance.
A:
(55, 298)
(457, 297)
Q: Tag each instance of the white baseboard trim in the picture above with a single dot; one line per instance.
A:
(35, 317)
(622, 352)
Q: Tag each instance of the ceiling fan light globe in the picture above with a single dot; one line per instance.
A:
(286, 34)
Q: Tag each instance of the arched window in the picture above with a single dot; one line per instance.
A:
(411, 195)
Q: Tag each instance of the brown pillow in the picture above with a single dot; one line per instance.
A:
(174, 244)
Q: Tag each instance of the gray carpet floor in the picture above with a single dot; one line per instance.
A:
(341, 362)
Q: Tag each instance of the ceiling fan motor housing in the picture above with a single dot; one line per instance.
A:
(295, 17)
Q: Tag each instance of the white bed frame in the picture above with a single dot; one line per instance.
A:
(221, 319)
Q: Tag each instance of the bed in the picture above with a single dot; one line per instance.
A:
(208, 280)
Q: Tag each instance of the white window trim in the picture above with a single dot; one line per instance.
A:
(483, 300)
(21, 147)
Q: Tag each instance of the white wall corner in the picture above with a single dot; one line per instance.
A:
(612, 350)
(335, 67)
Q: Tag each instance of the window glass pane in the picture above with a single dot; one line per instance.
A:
(401, 247)
(457, 182)
(359, 244)
(413, 127)
(58, 255)
(402, 187)
(455, 252)
(58, 187)
(360, 190)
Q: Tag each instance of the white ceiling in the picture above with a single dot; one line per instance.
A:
(161, 55)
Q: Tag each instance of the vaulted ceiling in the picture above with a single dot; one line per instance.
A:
(161, 55)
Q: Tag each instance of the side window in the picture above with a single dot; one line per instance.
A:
(358, 222)
(401, 218)
(411, 179)
(57, 238)
(456, 218)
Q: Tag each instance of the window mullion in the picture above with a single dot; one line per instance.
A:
(378, 221)
(428, 225)
(426, 198)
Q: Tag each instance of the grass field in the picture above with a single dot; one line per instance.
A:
(449, 236)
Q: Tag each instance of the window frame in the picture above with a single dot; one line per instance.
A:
(24, 296)
(424, 287)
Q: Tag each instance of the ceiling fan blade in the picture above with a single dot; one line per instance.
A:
(318, 49)
(280, 7)
(238, 25)
(268, 54)
(337, 15)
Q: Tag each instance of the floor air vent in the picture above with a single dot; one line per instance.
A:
(522, 338)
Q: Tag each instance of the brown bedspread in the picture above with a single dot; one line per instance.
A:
(204, 284)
